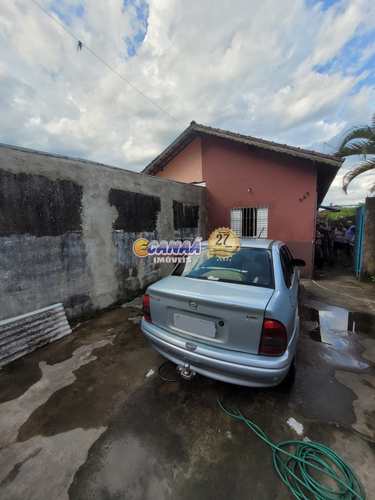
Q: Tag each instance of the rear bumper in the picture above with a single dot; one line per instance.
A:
(220, 364)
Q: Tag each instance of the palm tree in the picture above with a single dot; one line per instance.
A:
(359, 141)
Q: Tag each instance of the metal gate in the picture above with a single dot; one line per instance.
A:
(359, 237)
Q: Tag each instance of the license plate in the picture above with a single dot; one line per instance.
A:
(191, 324)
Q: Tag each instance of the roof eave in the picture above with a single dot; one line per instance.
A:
(170, 150)
(196, 129)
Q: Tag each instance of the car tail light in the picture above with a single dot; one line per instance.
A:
(274, 339)
(146, 308)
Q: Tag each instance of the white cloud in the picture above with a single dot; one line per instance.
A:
(357, 191)
(337, 27)
(249, 67)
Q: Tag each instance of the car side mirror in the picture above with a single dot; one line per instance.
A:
(298, 263)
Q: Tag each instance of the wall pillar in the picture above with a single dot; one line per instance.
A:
(368, 267)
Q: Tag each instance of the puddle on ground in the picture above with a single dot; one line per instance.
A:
(339, 329)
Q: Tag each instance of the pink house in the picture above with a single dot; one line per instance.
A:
(259, 188)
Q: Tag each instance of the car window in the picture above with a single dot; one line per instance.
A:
(288, 252)
(248, 266)
(287, 266)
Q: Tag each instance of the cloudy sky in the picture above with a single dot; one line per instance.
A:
(294, 71)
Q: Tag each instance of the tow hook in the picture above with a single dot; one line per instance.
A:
(185, 371)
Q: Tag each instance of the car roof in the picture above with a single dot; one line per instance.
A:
(255, 243)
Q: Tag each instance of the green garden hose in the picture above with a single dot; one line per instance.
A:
(294, 461)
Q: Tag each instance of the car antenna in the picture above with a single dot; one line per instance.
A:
(260, 234)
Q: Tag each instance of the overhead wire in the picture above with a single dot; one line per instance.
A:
(83, 45)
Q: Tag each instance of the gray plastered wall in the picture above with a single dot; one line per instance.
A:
(67, 227)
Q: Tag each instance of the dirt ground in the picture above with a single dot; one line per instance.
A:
(89, 417)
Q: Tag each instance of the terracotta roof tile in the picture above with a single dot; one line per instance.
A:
(195, 129)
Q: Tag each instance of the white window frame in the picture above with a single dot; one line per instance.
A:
(242, 222)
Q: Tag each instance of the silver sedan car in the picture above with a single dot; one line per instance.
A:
(234, 320)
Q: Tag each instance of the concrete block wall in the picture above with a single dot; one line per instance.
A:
(67, 227)
(368, 263)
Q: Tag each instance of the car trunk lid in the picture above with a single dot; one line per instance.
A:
(222, 314)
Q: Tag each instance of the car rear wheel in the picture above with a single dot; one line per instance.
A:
(289, 380)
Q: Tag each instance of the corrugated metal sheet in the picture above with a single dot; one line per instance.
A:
(23, 334)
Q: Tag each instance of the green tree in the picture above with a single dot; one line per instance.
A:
(360, 141)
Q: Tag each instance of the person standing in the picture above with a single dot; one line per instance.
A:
(339, 240)
(350, 241)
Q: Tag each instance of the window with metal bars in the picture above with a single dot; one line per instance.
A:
(250, 222)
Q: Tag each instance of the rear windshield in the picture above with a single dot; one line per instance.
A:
(248, 266)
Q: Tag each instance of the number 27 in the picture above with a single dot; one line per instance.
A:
(220, 238)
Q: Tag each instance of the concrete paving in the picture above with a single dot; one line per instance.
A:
(88, 417)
